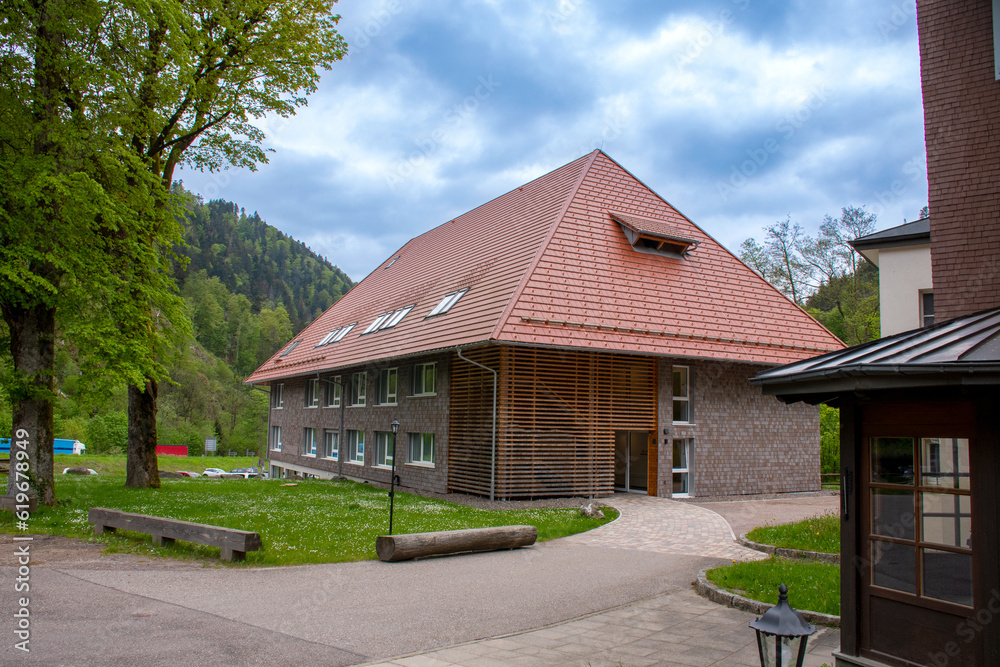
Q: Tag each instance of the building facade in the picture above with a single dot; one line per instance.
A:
(574, 336)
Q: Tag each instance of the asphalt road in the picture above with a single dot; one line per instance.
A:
(339, 614)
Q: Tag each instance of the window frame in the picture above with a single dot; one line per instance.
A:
(278, 398)
(447, 302)
(420, 439)
(355, 456)
(387, 377)
(359, 390)
(309, 441)
(275, 438)
(331, 453)
(687, 398)
(383, 455)
(924, 315)
(311, 396)
(419, 375)
(334, 388)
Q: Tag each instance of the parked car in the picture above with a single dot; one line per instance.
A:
(75, 470)
(213, 472)
(247, 473)
(188, 473)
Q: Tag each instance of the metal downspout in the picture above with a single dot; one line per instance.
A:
(493, 438)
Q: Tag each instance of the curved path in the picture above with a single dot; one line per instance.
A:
(581, 591)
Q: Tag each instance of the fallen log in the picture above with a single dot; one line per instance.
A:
(392, 548)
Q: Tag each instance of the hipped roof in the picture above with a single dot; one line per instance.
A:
(548, 264)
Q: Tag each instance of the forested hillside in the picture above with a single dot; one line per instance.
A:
(248, 288)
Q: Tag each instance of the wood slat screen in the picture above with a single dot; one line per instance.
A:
(558, 412)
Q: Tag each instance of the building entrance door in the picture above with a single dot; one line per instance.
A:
(632, 461)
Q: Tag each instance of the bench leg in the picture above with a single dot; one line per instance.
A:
(99, 529)
(232, 555)
(160, 540)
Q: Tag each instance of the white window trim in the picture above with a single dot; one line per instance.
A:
(388, 439)
(419, 374)
(314, 383)
(305, 442)
(383, 376)
(446, 304)
(333, 385)
(688, 452)
(686, 399)
(421, 464)
(337, 454)
(362, 398)
(377, 323)
(361, 441)
(276, 443)
(280, 398)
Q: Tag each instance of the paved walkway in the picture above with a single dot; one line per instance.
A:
(673, 628)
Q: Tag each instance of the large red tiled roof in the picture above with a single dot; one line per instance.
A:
(548, 264)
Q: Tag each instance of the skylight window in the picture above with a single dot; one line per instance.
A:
(447, 302)
(336, 335)
(379, 321)
(290, 348)
(396, 317)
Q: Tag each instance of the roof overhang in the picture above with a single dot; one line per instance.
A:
(961, 352)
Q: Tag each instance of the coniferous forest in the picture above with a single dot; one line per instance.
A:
(248, 287)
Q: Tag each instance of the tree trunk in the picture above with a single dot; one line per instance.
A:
(32, 346)
(141, 468)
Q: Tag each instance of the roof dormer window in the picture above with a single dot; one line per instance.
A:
(336, 335)
(447, 302)
(379, 321)
(653, 236)
(290, 348)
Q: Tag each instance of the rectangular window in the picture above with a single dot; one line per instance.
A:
(379, 321)
(331, 444)
(290, 348)
(359, 388)
(356, 447)
(926, 309)
(278, 396)
(422, 448)
(920, 527)
(425, 379)
(387, 386)
(276, 438)
(333, 388)
(384, 446)
(447, 302)
(681, 467)
(312, 393)
(309, 441)
(682, 394)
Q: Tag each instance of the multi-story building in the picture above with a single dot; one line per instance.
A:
(574, 336)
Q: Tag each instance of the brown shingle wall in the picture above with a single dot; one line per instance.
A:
(962, 131)
(415, 415)
(744, 442)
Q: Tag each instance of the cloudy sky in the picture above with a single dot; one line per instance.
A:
(737, 112)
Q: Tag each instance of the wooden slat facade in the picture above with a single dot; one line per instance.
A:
(557, 415)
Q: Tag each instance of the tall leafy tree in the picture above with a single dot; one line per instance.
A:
(198, 79)
(69, 195)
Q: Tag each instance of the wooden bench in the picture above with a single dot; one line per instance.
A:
(10, 503)
(393, 548)
(234, 543)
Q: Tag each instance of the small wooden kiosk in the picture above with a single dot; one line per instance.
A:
(920, 465)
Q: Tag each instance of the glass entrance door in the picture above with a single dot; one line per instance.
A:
(632, 461)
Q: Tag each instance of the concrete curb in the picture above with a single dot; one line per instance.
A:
(708, 590)
(799, 554)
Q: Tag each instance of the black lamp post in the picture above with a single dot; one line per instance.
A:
(782, 634)
(395, 477)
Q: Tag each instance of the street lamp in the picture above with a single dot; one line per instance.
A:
(782, 634)
(395, 477)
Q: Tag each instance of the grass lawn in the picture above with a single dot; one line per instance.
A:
(312, 522)
(811, 585)
(820, 533)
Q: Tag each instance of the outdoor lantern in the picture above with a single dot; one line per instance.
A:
(394, 478)
(782, 634)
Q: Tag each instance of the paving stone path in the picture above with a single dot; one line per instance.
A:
(677, 628)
